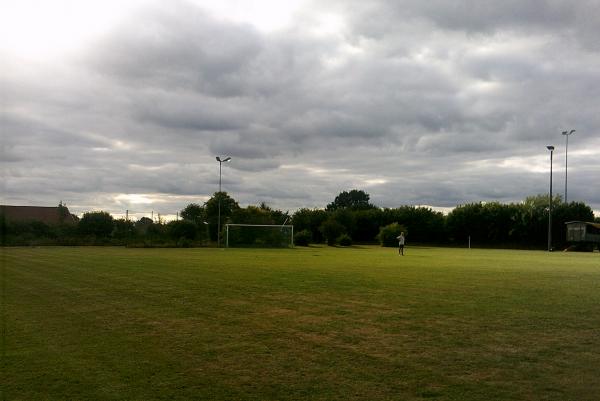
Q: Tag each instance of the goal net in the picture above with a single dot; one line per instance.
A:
(259, 236)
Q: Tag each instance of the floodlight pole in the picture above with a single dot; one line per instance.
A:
(566, 134)
(551, 149)
(221, 161)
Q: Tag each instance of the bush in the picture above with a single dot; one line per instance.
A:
(302, 238)
(123, 229)
(331, 230)
(98, 224)
(387, 235)
(40, 230)
(344, 240)
(182, 229)
(184, 243)
(141, 226)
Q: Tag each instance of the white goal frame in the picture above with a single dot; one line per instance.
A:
(259, 225)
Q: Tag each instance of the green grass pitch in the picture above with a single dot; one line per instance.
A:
(299, 324)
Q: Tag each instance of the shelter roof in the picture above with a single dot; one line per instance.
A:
(589, 223)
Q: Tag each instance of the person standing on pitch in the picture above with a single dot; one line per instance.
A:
(400, 239)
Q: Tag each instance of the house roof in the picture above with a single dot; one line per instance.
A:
(44, 214)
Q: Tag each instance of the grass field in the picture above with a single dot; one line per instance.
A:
(307, 323)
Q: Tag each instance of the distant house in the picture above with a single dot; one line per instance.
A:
(582, 232)
(48, 215)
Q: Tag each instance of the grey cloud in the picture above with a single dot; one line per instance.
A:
(178, 46)
(9, 155)
(185, 111)
(479, 16)
(184, 48)
(503, 67)
(489, 15)
(415, 102)
(248, 149)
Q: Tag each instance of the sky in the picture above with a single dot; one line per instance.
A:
(124, 105)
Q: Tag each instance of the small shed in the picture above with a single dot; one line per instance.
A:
(582, 232)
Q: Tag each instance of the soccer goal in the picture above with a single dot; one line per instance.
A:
(259, 236)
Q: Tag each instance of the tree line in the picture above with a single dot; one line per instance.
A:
(485, 224)
(349, 219)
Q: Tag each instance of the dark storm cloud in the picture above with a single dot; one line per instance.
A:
(436, 102)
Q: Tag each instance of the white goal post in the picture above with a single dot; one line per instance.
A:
(259, 235)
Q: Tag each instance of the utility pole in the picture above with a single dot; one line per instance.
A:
(221, 161)
(566, 134)
(551, 149)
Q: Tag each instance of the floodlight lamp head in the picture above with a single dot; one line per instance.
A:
(550, 148)
(227, 159)
(218, 159)
(571, 131)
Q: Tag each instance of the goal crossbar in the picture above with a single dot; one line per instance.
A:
(280, 226)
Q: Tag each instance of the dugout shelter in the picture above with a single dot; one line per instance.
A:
(583, 233)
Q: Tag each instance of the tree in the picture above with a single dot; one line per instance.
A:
(367, 223)
(183, 229)
(194, 212)
(344, 240)
(277, 216)
(424, 224)
(143, 224)
(466, 221)
(228, 206)
(531, 222)
(302, 238)
(347, 219)
(388, 235)
(311, 220)
(63, 212)
(4, 230)
(331, 230)
(252, 215)
(99, 224)
(355, 199)
(498, 219)
(123, 229)
(40, 229)
(156, 231)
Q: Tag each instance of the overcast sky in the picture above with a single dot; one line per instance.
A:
(117, 105)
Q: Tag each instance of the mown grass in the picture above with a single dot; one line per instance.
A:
(309, 323)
